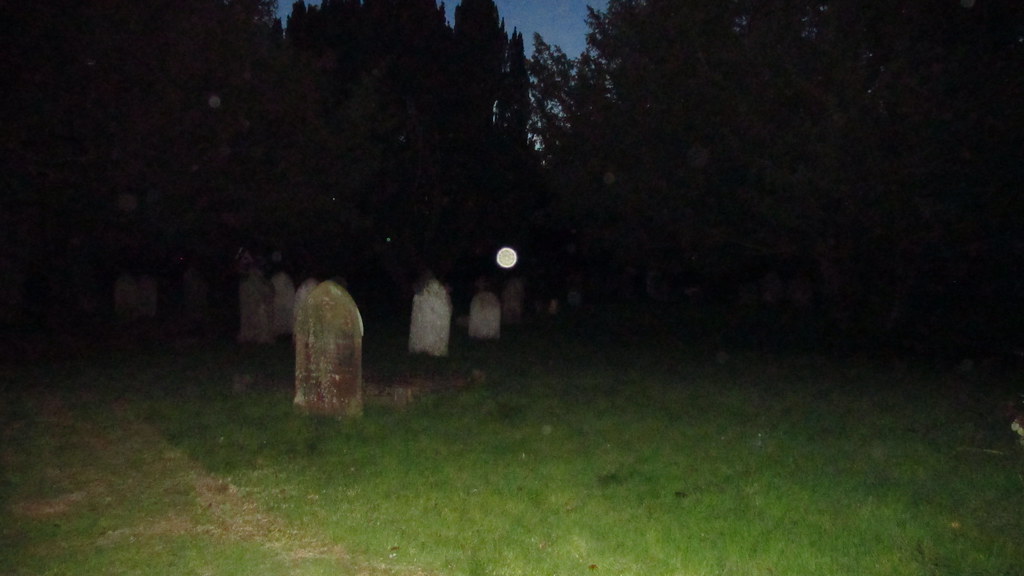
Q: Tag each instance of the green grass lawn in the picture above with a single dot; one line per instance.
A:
(571, 455)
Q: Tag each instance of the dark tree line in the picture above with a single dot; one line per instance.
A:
(873, 150)
(444, 111)
(363, 134)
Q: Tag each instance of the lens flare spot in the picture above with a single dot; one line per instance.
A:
(507, 257)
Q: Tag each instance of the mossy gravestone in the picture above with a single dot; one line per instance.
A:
(329, 353)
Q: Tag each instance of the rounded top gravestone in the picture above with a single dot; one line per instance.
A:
(328, 353)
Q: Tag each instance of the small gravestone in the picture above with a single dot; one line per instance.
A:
(256, 309)
(328, 353)
(512, 298)
(126, 297)
(195, 293)
(485, 316)
(430, 327)
(284, 303)
(148, 297)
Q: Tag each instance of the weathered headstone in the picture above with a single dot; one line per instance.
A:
(512, 298)
(485, 316)
(329, 353)
(284, 303)
(430, 326)
(256, 309)
(126, 297)
(148, 297)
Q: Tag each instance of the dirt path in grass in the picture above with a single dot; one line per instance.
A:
(121, 468)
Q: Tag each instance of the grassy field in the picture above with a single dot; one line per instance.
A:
(558, 455)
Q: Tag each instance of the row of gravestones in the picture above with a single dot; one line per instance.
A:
(430, 326)
(328, 334)
(138, 298)
(266, 307)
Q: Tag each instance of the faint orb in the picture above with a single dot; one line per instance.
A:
(507, 257)
(967, 3)
(214, 101)
(609, 178)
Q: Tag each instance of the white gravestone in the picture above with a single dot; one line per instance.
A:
(256, 309)
(284, 303)
(512, 301)
(485, 316)
(430, 327)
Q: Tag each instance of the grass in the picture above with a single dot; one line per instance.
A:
(597, 455)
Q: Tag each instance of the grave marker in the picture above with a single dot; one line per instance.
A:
(328, 353)
(430, 326)
(512, 298)
(485, 316)
(256, 309)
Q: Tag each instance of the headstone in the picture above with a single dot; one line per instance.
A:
(328, 353)
(512, 298)
(256, 309)
(284, 303)
(485, 316)
(430, 327)
(126, 297)
(574, 298)
(196, 294)
(148, 295)
(307, 286)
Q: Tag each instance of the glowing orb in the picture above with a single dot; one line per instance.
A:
(507, 257)
(214, 101)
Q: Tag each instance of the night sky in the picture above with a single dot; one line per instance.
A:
(560, 22)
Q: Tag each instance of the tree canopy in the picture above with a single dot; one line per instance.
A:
(871, 149)
(866, 145)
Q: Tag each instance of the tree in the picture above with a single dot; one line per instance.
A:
(817, 135)
(135, 131)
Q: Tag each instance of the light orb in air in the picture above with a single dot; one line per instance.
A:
(507, 257)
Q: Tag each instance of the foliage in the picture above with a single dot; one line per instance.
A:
(863, 143)
(134, 133)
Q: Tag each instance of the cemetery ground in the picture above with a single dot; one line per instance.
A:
(567, 447)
